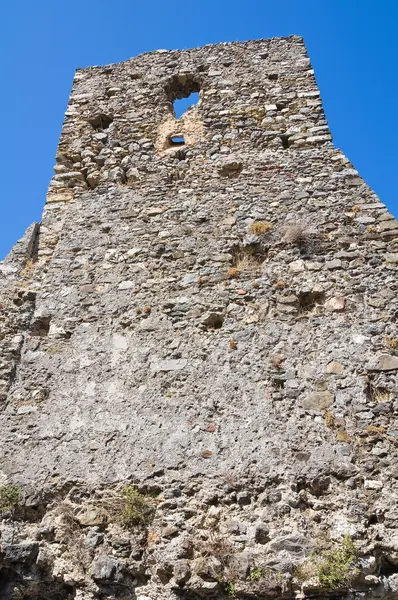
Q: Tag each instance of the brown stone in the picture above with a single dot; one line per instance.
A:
(229, 221)
(334, 368)
(335, 304)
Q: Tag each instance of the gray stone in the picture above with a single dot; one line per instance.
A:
(384, 362)
(294, 543)
(333, 264)
(388, 225)
(103, 568)
(93, 538)
(169, 365)
(318, 401)
(20, 553)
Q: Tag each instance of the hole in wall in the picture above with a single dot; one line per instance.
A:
(285, 141)
(372, 520)
(8, 581)
(183, 92)
(377, 394)
(273, 76)
(279, 383)
(308, 300)
(387, 568)
(181, 105)
(176, 140)
(212, 320)
(100, 121)
(317, 487)
(41, 326)
(246, 260)
(248, 255)
(180, 155)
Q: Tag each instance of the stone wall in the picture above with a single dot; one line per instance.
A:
(203, 334)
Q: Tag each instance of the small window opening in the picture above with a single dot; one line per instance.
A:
(182, 91)
(181, 105)
(176, 140)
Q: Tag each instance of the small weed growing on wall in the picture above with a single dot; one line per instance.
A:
(337, 567)
(280, 285)
(216, 545)
(306, 570)
(378, 394)
(247, 262)
(259, 574)
(229, 588)
(343, 436)
(129, 507)
(233, 344)
(392, 344)
(135, 509)
(375, 430)
(255, 574)
(246, 259)
(233, 273)
(9, 497)
(300, 234)
(72, 535)
(260, 227)
(28, 269)
(329, 419)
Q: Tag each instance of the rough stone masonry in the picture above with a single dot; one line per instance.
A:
(199, 350)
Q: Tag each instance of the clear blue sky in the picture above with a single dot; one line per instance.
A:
(353, 45)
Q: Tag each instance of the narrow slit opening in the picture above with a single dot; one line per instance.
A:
(176, 140)
(285, 141)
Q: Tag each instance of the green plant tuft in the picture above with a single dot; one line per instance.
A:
(9, 497)
(255, 574)
(337, 567)
(136, 508)
(230, 590)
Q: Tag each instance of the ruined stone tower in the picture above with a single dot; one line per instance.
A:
(199, 351)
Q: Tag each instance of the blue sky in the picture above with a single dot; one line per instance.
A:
(353, 45)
